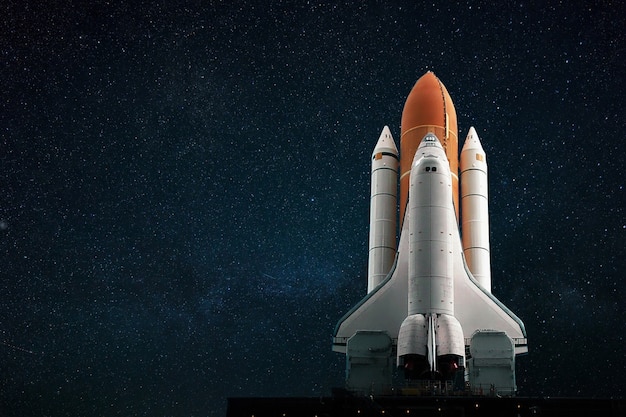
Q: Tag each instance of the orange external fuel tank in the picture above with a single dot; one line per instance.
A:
(428, 108)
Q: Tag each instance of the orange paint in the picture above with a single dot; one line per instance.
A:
(428, 108)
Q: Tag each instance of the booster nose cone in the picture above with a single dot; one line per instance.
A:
(385, 144)
(472, 142)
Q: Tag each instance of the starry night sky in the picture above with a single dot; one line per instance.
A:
(185, 187)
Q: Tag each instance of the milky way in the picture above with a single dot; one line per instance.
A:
(185, 190)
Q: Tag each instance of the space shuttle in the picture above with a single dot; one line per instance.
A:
(429, 313)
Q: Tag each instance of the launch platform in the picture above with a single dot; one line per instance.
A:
(457, 406)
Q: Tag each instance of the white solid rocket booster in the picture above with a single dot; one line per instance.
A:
(383, 205)
(475, 209)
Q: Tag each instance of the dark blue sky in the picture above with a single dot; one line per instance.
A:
(185, 190)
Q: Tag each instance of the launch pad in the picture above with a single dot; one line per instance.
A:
(346, 405)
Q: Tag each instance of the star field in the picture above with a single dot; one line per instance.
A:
(185, 190)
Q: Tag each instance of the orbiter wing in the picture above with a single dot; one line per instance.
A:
(385, 307)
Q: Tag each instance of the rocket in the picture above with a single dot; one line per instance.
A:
(429, 304)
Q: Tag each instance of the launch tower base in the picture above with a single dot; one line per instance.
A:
(346, 405)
